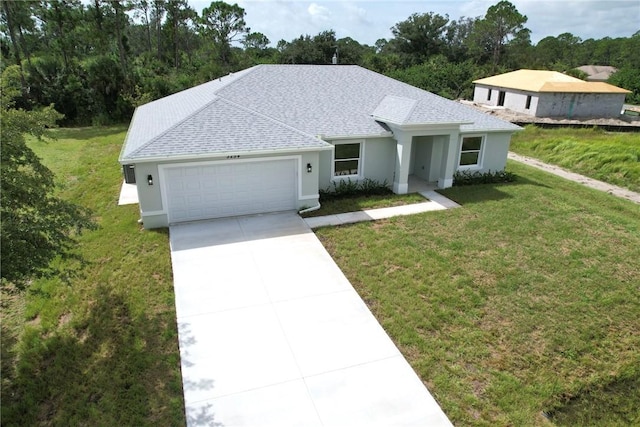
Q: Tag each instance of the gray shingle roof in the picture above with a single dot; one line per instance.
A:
(225, 127)
(279, 107)
(394, 109)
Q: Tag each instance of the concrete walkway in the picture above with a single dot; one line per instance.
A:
(128, 194)
(272, 333)
(436, 202)
(589, 182)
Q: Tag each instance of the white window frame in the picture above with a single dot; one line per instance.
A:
(360, 159)
(480, 152)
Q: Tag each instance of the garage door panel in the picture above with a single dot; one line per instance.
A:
(219, 190)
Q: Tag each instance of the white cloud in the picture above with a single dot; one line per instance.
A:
(367, 21)
(356, 14)
(319, 13)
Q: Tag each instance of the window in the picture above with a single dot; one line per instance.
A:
(489, 95)
(346, 159)
(471, 151)
(501, 95)
(528, 104)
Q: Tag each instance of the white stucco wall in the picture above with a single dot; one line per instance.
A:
(378, 157)
(494, 157)
(154, 214)
(494, 152)
(427, 156)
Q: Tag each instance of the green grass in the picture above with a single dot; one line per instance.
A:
(353, 204)
(101, 348)
(606, 156)
(524, 301)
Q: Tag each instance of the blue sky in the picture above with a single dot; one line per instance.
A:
(368, 21)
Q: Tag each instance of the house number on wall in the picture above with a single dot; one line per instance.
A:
(237, 156)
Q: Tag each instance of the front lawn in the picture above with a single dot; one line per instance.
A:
(360, 203)
(525, 301)
(608, 156)
(102, 347)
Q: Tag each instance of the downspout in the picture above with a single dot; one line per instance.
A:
(311, 209)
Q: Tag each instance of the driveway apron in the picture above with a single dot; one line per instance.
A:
(273, 334)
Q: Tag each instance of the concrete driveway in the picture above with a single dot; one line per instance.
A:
(273, 334)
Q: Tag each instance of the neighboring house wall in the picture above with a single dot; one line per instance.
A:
(154, 213)
(481, 95)
(553, 104)
(571, 105)
(516, 100)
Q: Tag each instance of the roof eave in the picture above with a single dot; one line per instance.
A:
(424, 126)
(515, 128)
(156, 159)
(356, 136)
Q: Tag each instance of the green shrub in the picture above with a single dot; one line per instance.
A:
(349, 188)
(466, 177)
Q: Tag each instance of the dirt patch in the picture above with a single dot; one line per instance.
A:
(515, 117)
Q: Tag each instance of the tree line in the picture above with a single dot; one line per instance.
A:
(96, 62)
(70, 63)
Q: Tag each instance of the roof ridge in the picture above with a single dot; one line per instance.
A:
(175, 125)
(214, 98)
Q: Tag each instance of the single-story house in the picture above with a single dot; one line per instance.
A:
(268, 138)
(542, 93)
(597, 73)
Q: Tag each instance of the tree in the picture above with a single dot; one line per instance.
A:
(492, 33)
(142, 10)
(179, 14)
(15, 16)
(456, 37)
(256, 49)
(551, 51)
(420, 36)
(36, 225)
(256, 41)
(157, 14)
(60, 21)
(438, 75)
(352, 52)
(628, 78)
(520, 51)
(326, 46)
(224, 23)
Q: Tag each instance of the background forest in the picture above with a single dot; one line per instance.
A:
(96, 61)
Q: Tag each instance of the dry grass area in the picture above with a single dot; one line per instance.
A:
(607, 156)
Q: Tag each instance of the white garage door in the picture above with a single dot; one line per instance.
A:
(229, 189)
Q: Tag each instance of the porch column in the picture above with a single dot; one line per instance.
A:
(403, 157)
(449, 161)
